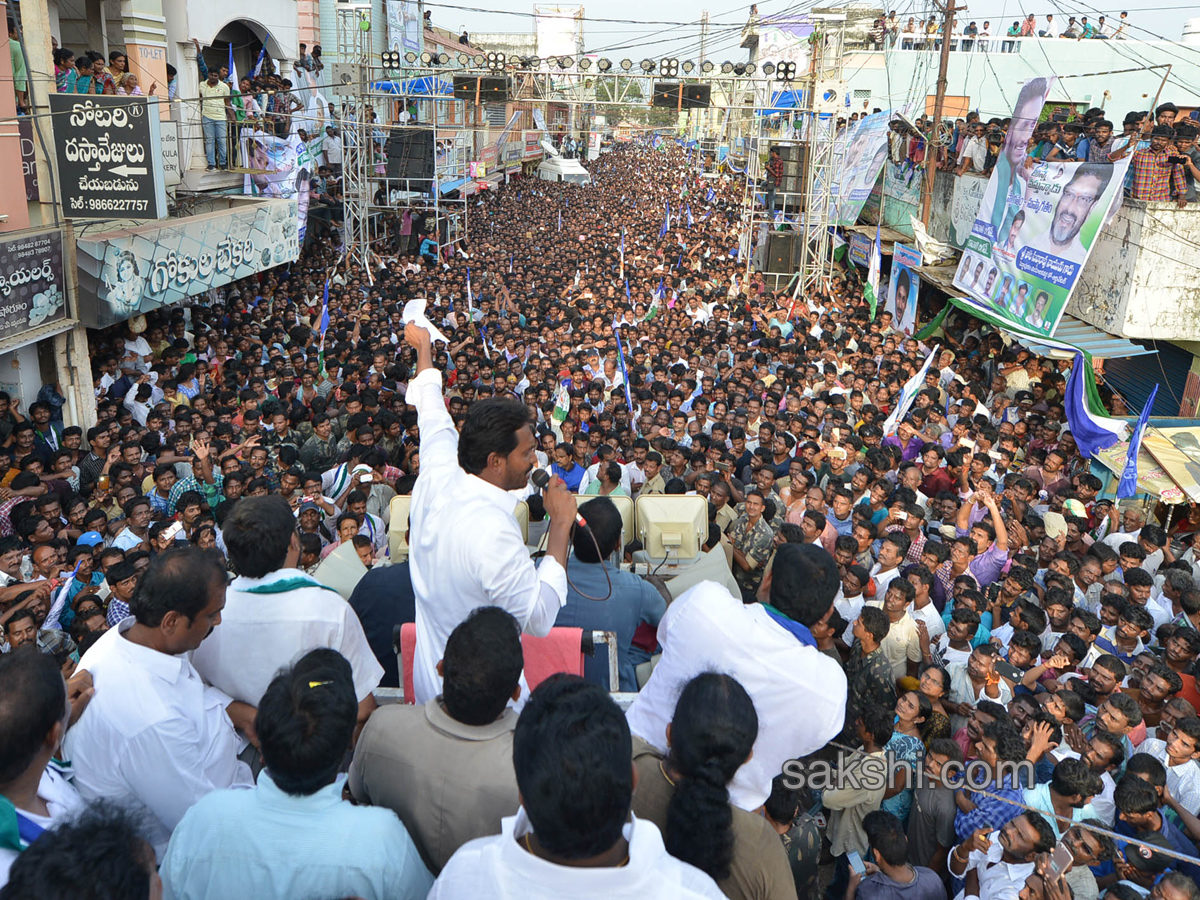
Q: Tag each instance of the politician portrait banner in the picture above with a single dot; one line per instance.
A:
(1036, 224)
(866, 152)
(903, 288)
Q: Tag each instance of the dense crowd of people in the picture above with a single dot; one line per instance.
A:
(871, 611)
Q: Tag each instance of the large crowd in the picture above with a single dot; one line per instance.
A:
(179, 694)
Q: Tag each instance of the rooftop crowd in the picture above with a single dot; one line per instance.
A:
(180, 697)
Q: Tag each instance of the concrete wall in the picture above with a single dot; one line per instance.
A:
(1141, 280)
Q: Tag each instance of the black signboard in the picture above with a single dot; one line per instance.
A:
(109, 157)
(33, 288)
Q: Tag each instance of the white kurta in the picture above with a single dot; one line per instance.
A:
(799, 693)
(499, 868)
(465, 546)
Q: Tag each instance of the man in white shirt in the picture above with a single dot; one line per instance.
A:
(994, 866)
(32, 693)
(466, 548)
(274, 613)
(156, 738)
(571, 742)
(798, 692)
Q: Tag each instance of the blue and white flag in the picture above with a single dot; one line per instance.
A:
(262, 57)
(908, 394)
(1092, 429)
(666, 225)
(627, 297)
(691, 221)
(560, 220)
(1128, 485)
(624, 374)
(710, 195)
(324, 325)
(470, 296)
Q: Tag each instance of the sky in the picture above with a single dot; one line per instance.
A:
(671, 27)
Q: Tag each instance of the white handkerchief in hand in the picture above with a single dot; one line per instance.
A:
(414, 311)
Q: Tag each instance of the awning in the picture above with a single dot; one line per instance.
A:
(453, 185)
(784, 101)
(1089, 339)
(428, 85)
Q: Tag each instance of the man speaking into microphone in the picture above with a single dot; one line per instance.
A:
(465, 546)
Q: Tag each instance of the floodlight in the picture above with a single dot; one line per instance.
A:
(751, 68)
(514, 60)
(707, 66)
(410, 57)
(647, 65)
(739, 69)
(626, 64)
(727, 68)
(786, 71)
(565, 62)
(443, 59)
(668, 67)
(768, 68)
(688, 67)
(478, 60)
(584, 64)
(603, 65)
(390, 59)
(427, 58)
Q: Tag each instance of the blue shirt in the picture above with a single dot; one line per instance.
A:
(571, 478)
(266, 844)
(632, 602)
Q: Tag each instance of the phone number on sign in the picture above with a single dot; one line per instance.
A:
(113, 204)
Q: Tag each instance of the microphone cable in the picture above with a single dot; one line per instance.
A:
(541, 479)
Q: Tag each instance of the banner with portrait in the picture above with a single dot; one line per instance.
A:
(1036, 224)
(1177, 450)
(903, 288)
(866, 151)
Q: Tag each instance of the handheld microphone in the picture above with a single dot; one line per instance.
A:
(541, 480)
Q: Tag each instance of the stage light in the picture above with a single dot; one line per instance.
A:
(626, 64)
(584, 64)
(751, 68)
(463, 59)
(427, 58)
(786, 71)
(478, 60)
(443, 59)
(647, 66)
(410, 57)
(706, 66)
(768, 68)
(727, 68)
(565, 62)
(390, 59)
(739, 69)
(494, 62)
(688, 67)
(514, 60)
(604, 65)
(532, 62)
(669, 67)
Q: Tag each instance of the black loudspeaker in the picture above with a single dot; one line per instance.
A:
(673, 95)
(696, 96)
(789, 153)
(667, 94)
(780, 251)
(409, 154)
(488, 89)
